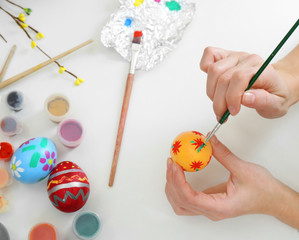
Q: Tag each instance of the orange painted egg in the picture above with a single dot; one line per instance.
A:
(185, 150)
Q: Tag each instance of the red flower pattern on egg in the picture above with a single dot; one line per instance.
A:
(176, 147)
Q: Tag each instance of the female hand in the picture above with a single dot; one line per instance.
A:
(229, 73)
(249, 189)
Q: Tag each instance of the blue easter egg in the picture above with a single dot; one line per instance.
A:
(34, 160)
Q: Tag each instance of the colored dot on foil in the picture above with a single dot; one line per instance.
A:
(173, 6)
(158, 1)
(128, 22)
(138, 3)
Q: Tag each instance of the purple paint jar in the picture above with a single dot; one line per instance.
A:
(10, 126)
(70, 132)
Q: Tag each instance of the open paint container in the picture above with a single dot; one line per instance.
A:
(43, 231)
(70, 132)
(3, 232)
(57, 107)
(6, 151)
(5, 177)
(87, 225)
(3, 208)
(14, 100)
(10, 126)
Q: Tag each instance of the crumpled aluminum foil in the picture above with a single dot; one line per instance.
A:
(162, 29)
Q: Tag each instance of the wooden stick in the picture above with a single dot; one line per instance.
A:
(7, 62)
(121, 126)
(43, 64)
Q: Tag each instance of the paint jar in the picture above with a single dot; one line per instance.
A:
(15, 100)
(57, 107)
(3, 232)
(70, 132)
(87, 225)
(10, 126)
(5, 177)
(43, 231)
(6, 151)
(3, 207)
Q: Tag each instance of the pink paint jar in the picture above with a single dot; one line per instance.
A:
(70, 132)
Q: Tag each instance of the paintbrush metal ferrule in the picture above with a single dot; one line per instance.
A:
(210, 135)
(135, 52)
(215, 129)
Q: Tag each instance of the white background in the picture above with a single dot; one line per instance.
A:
(165, 101)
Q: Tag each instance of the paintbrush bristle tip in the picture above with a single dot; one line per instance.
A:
(137, 34)
(137, 37)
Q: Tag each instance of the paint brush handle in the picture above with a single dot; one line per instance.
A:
(41, 65)
(121, 126)
(7, 62)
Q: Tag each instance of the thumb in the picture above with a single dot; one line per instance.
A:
(223, 155)
(265, 103)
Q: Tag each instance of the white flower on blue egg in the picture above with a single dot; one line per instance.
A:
(16, 170)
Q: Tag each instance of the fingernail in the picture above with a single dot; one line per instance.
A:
(218, 118)
(169, 163)
(248, 98)
(174, 167)
(232, 110)
(214, 140)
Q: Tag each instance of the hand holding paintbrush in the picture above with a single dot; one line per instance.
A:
(135, 51)
(252, 81)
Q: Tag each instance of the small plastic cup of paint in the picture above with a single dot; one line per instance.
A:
(6, 151)
(43, 231)
(57, 107)
(5, 176)
(4, 207)
(70, 132)
(10, 126)
(14, 100)
(87, 225)
(3, 232)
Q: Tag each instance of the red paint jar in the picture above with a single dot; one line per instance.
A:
(6, 151)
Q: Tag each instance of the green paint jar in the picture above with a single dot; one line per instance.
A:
(87, 225)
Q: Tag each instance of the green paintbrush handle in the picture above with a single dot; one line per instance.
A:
(262, 68)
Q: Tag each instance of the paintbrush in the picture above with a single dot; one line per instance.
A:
(252, 81)
(135, 48)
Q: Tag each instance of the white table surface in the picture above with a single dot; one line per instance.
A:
(165, 101)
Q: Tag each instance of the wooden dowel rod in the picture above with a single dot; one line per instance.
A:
(41, 65)
(7, 62)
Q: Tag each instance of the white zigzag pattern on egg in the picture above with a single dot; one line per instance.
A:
(69, 194)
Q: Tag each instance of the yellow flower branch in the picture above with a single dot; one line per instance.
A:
(20, 21)
(27, 10)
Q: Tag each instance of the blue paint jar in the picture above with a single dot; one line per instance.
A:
(87, 225)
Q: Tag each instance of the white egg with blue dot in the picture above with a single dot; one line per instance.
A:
(34, 160)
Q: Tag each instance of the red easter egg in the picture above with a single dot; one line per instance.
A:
(68, 187)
